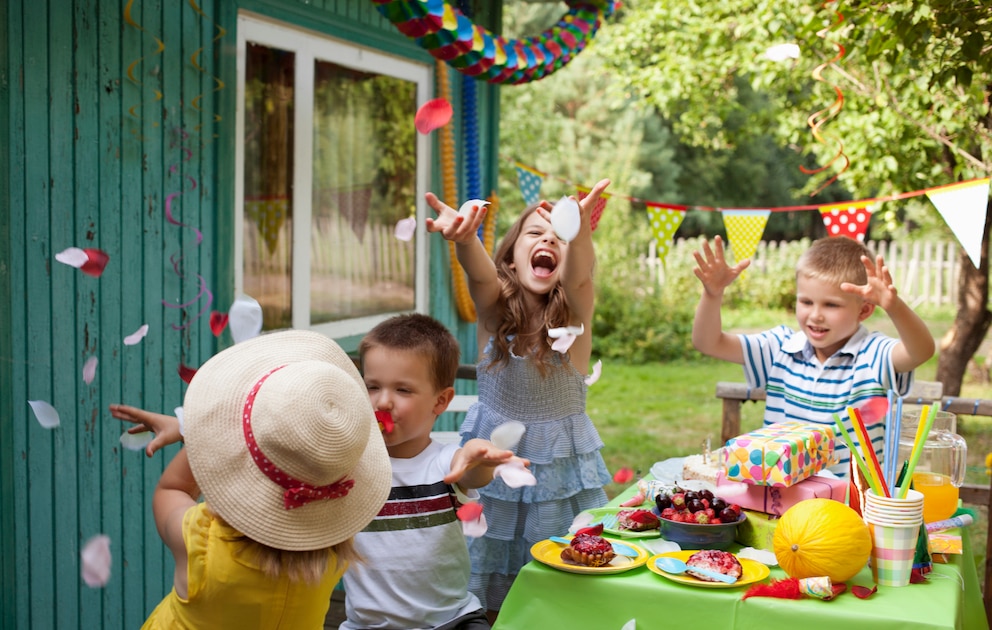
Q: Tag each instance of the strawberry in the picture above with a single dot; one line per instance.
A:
(678, 500)
(702, 518)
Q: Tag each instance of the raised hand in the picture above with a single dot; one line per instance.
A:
(452, 225)
(165, 428)
(712, 268)
(879, 290)
(474, 454)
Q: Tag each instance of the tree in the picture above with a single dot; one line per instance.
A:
(915, 78)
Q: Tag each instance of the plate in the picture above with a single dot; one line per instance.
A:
(601, 514)
(754, 571)
(549, 553)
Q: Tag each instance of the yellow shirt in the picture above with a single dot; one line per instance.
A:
(228, 591)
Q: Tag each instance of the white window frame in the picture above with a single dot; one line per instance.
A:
(309, 46)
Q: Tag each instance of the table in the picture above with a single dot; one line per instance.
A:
(544, 597)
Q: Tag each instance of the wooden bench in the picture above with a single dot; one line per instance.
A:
(922, 393)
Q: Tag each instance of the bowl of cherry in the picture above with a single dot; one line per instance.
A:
(696, 519)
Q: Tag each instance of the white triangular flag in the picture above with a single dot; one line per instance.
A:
(964, 207)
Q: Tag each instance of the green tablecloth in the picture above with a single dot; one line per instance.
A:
(544, 597)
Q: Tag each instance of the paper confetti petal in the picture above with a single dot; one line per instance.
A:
(580, 521)
(96, 262)
(47, 417)
(558, 333)
(630, 625)
(759, 555)
(136, 441)
(136, 336)
(95, 560)
(476, 528)
(406, 228)
(89, 370)
(874, 409)
(218, 322)
(863, 592)
(245, 318)
(186, 373)
(624, 475)
(466, 208)
(566, 219)
(596, 371)
(432, 115)
(469, 511)
(507, 435)
(73, 256)
(562, 344)
(385, 420)
(515, 475)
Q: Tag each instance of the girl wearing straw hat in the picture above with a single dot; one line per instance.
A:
(282, 443)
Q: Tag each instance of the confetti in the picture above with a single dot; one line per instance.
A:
(566, 219)
(136, 441)
(432, 115)
(507, 435)
(136, 336)
(385, 420)
(46, 415)
(515, 475)
(89, 370)
(624, 475)
(218, 322)
(406, 228)
(186, 373)
(245, 318)
(96, 561)
(597, 370)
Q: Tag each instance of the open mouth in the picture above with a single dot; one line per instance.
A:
(543, 263)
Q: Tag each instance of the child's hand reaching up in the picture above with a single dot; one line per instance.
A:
(165, 428)
(712, 268)
(452, 225)
(473, 464)
(879, 290)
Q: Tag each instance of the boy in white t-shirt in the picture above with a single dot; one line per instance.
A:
(416, 568)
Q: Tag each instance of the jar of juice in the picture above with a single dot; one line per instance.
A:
(941, 467)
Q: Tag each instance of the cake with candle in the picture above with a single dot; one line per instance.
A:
(705, 466)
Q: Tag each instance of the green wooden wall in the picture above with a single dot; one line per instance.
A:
(109, 109)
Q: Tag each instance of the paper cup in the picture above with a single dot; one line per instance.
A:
(913, 497)
(892, 553)
(903, 520)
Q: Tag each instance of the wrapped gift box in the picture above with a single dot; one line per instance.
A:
(757, 530)
(775, 500)
(780, 454)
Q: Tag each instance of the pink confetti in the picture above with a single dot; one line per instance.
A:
(432, 115)
(563, 343)
(97, 261)
(406, 228)
(514, 474)
(597, 370)
(218, 322)
(469, 511)
(73, 256)
(186, 373)
(624, 475)
(863, 592)
(46, 415)
(507, 435)
(385, 420)
(874, 409)
(136, 336)
(89, 370)
(96, 561)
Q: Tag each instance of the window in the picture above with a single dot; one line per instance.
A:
(328, 160)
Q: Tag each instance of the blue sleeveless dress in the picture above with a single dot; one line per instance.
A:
(563, 448)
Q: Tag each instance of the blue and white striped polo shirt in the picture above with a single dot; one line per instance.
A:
(799, 387)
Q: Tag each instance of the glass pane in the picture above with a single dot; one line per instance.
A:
(364, 181)
(268, 176)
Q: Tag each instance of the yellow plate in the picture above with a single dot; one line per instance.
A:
(599, 513)
(754, 571)
(549, 553)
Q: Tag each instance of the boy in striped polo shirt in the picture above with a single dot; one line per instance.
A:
(416, 568)
(832, 361)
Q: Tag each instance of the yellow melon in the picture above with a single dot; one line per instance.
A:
(818, 537)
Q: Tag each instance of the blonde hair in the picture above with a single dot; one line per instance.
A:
(512, 318)
(834, 259)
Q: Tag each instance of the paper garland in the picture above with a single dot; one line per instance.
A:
(664, 223)
(964, 207)
(847, 219)
(744, 230)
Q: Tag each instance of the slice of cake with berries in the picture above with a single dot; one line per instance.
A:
(722, 562)
(637, 520)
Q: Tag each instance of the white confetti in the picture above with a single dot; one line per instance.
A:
(582, 519)
(245, 318)
(96, 561)
(136, 336)
(758, 555)
(630, 625)
(597, 370)
(476, 528)
(566, 219)
(136, 441)
(507, 435)
(515, 475)
(405, 228)
(575, 331)
(73, 256)
(563, 343)
(47, 417)
(89, 370)
(466, 209)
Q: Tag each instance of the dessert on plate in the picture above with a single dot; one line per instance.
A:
(715, 560)
(588, 548)
(637, 520)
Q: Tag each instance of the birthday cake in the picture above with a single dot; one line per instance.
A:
(704, 467)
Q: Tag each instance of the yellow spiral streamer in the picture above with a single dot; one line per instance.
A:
(449, 184)
(489, 227)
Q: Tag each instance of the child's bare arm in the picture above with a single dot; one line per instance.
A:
(166, 428)
(916, 344)
(716, 275)
(176, 493)
(473, 464)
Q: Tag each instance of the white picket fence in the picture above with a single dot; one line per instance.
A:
(924, 272)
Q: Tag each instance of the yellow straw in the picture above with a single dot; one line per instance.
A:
(867, 450)
(922, 431)
(856, 456)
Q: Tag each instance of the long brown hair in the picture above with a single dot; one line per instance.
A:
(512, 318)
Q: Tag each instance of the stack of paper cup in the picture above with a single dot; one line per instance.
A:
(895, 526)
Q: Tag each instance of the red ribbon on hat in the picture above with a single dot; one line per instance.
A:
(298, 492)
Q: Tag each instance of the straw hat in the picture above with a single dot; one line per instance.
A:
(317, 472)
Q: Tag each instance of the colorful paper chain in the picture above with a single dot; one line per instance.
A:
(448, 35)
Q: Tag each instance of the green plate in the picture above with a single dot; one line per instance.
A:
(608, 516)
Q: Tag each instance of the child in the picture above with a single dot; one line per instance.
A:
(533, 283)
(416, 568)
(832, 362)
(283, 445)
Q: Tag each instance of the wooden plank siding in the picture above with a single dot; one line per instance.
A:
(104, 122)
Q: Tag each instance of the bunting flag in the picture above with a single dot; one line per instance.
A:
(530, 183)
(664, 222)
(597, 210)
(353, 204)
(847, 219)
(268, 214)
(744, 230)
(964, 207)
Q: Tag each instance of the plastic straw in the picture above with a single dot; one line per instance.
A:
(895, 452)
(922, 431)
(868, 452)
(855, 455)
(891, 444)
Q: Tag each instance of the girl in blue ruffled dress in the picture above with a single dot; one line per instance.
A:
(535, 282)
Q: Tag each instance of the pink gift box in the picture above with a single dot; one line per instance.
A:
(775, 500)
